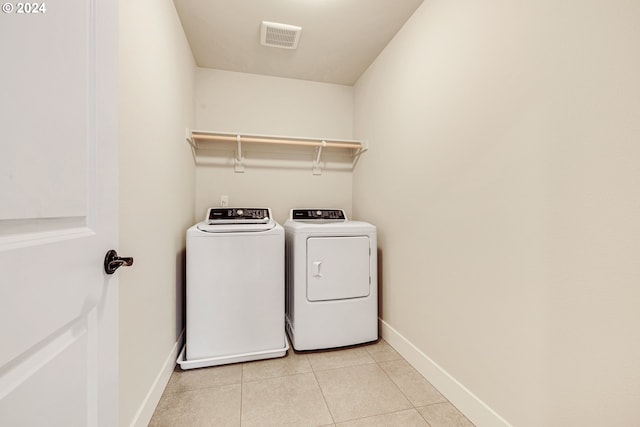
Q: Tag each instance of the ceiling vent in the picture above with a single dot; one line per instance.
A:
(279, 35)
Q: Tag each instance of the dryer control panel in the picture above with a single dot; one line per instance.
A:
(238, 215)
(318, 215)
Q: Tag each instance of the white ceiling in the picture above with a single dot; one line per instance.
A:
(339, 40)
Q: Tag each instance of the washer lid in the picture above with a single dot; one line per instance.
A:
(318, 215)
(235, 228)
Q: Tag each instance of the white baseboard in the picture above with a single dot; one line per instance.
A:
(462, 398)
(148, 406)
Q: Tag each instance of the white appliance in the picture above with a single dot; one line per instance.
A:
(235, 288)
(331, 279)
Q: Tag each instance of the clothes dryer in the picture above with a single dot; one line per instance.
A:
(331, 279)
(235, 288)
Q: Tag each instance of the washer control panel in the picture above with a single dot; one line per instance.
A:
(238, 215)
(318, 215)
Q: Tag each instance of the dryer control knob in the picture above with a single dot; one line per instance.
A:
(240, 211)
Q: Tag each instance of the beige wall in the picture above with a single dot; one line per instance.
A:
(157, 180)
(503, 175)
(277, 177)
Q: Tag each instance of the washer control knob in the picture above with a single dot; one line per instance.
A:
(239, 211)
(318, 213)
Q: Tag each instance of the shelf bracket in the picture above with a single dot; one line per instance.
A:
(239, 160)
(357, 154)
(192, 142)
(317, 170)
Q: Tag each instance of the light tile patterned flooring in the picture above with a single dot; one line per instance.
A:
(368, 385)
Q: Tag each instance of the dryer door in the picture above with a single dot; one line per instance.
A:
(338, 267)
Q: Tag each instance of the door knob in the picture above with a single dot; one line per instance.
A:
(112, 262)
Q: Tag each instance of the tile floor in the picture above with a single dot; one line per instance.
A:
(368, 385)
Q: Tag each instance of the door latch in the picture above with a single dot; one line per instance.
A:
(316, 269)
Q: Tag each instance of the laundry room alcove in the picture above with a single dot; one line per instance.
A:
(240, 150)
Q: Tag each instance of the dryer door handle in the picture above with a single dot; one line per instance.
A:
(316, 269)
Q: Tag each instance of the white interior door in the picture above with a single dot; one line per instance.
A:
(58, 213)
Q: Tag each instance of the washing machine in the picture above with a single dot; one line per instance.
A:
(331, 279)
(235, 288)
